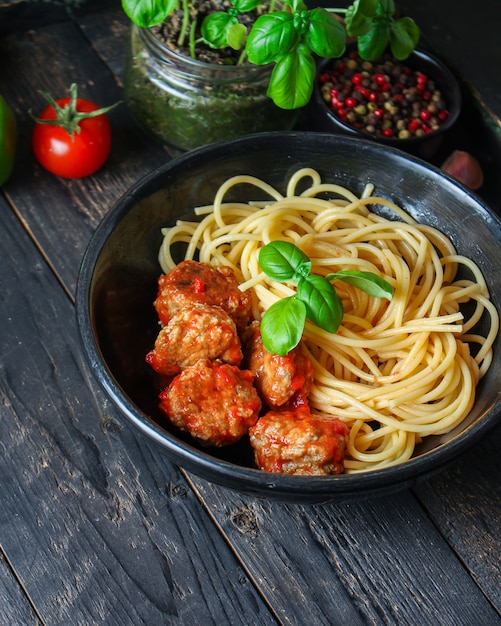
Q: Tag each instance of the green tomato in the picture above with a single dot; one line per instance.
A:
(8, 140)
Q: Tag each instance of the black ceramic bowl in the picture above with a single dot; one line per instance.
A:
(324, 119)
(118, 283)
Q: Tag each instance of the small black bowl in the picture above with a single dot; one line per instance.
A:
(324, 119)
(118, 283)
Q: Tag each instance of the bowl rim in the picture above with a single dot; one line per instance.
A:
(224, 472)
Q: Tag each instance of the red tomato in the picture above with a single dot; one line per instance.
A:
(72, 153)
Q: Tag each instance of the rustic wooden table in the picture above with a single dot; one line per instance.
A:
(96, 526)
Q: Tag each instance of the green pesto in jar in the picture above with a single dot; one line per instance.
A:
(186, 103)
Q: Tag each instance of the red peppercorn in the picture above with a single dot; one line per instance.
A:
(379, 79)
(350, 102)
(424, 115)
(363, 91)
(421, 79)
(387, 132)
(357, 78)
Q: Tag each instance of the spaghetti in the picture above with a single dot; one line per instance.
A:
(396, 371)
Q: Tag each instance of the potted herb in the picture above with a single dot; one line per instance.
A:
(263, 66)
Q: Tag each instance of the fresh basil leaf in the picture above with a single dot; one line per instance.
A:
(357, 25)
(292, 80)
(272, 36)
(282, 325)
(325, 35)
(359, 16)
(386, 8)
(282, 260)
(323, 306)
(215, 27)
(372, 45)
(246, 5)
(404, 37)
(367, 7)
(296, 5)
(147, 13)
(368, 282)
(235, 35)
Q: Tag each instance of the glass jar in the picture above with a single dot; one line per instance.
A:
(187, 103)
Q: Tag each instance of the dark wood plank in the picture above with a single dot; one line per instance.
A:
(465, 503)
(97, 528)
(376, 562)
(107, 30)
(15, 608)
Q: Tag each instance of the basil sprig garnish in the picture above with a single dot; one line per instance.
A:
(315, 299)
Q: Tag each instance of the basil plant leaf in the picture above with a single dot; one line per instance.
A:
(282, 260)
(367, 282)
(323, 306)
(282, 325)
(293, 78)
(235, 35)
(244, 6)
(372, 45)
(359, 17)
(366, 7)
(386, 8)
(272, 36)
(147, 13)
(325, 36)
(296, 5)
(357, 25)
(215, 27)
(404, 37)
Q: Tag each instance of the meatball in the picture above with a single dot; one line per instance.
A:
(297, 442)
(279, 379)
(196, 332)
(215, 402)
(191, 282)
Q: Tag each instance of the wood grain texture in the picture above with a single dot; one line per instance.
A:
(376, 562)
(15, 607)
(465, 503)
